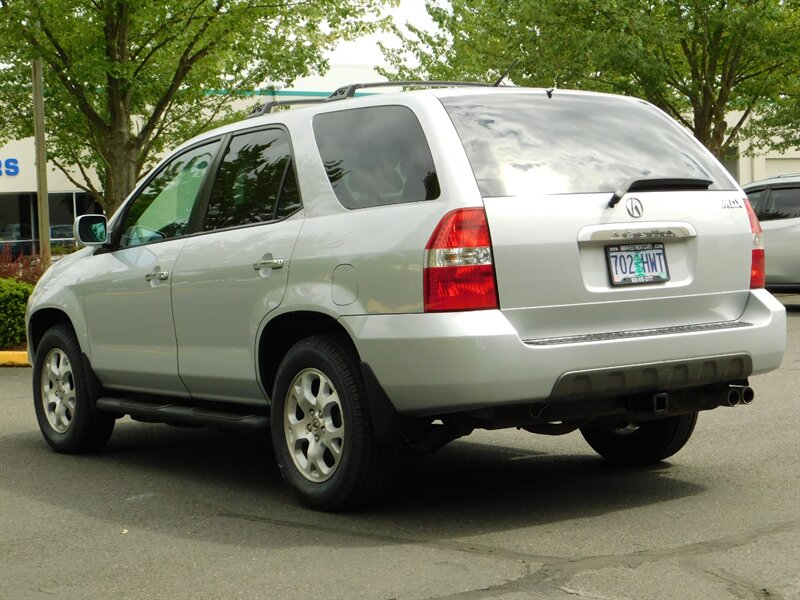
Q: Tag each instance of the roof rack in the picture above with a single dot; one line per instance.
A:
(348, 91)
(266, 108)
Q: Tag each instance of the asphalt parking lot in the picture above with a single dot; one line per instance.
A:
(174, 513)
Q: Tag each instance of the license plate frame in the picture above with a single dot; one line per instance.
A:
(640, 263)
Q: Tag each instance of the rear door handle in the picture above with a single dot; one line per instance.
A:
(268, 263)
(157, 275)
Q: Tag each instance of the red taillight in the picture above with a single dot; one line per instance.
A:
(459, 269)
(758, 269)
(758, 260)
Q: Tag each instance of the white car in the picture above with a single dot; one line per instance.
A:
(387, 273)
(776, 202)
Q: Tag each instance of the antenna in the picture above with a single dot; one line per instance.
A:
(505, 74)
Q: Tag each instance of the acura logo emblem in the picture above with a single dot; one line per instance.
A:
(634, 206)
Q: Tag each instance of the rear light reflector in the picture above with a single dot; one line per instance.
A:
(758, 271)
(459, 268)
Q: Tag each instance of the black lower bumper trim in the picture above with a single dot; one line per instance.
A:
(660, 376)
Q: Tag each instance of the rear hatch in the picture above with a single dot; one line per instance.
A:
(604, 215)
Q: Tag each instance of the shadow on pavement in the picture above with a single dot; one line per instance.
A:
(161, 478)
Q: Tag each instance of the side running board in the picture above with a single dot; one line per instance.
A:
(177, 414)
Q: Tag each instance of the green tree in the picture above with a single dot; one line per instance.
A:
(124, 79)
(699, 60)
(777, 124)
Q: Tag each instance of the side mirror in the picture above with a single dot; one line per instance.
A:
(91, 230)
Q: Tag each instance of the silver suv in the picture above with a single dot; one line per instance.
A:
(387, 273)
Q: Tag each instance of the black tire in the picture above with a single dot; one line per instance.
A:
(643, 444)
(64, 405)
(308, 461)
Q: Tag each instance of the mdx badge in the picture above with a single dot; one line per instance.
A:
(732, 203)
(635, 208)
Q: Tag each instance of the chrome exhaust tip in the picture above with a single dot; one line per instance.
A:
(747, 394)
(732, 396)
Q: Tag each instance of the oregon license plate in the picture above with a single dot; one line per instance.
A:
(631, 264)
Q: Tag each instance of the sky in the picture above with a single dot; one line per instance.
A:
(365, 51)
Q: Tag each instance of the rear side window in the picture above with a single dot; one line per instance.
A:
(376, 156)
(782, 203)
(521, 144)
(255, 182)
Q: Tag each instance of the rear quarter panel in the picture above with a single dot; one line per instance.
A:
(384, 245)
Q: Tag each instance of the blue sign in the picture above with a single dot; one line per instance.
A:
(9, 166)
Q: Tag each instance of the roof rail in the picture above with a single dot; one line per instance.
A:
(348, 91)
(266, 108)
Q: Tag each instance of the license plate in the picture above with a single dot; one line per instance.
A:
(632, 264)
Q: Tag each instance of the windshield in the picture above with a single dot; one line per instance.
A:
(526, 143)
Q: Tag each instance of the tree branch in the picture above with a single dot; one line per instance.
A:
(61, 71)
(186, 61)
(86, 186)
(769, 69)
(735, 131)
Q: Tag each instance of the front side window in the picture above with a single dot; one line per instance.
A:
(376, 156)
(255, 182)
(162, 210)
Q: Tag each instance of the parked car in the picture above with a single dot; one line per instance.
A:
(384, 274)
(776, 202)
(61, 232)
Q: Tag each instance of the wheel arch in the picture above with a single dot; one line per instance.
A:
(42, 320)
(284, 331)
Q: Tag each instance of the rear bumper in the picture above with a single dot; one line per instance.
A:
(438, 363)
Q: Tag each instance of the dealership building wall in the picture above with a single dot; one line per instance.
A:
(19, 222)
(18, 203)
(755, 168)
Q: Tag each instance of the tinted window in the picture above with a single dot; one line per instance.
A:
(164, 207)
(376, 156)
(519, 144)
(247, 188)
(756, 198)
(782, 203)
(290, 195)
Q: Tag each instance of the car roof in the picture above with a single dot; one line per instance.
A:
(381, 98)
(777, 180)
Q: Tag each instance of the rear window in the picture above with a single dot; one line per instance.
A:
(520, 144)
(376, 156)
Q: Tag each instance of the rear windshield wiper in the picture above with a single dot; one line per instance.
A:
(659, 184)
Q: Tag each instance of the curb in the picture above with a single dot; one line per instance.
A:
(10, 358)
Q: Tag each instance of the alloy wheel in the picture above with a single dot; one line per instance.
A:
(314, 425)
(58, 390)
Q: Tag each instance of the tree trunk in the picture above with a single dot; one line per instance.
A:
(119, 175)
